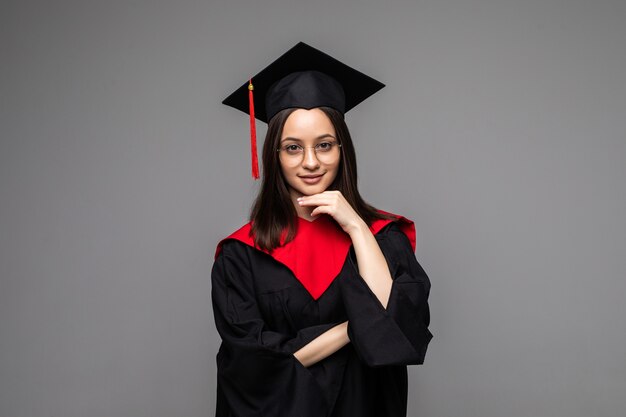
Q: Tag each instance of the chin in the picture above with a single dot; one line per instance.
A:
(312, 189)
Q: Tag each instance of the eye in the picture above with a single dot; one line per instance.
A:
(293, 148)
(324, 146)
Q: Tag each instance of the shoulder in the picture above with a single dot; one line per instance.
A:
(390, 229)
(237, 240)
(399, 228)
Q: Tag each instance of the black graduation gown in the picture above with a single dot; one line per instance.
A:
(264, 314)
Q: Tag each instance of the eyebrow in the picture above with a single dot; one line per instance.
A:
(326, 135)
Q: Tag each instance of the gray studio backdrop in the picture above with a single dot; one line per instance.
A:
(501, 133)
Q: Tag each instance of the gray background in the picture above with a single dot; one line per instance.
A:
(501, 133)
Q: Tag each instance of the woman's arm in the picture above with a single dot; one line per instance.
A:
(371, 262)
(398, 333)
(324, 345)
(375, 272)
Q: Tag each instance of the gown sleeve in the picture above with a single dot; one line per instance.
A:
(397, 335)
(257, 372)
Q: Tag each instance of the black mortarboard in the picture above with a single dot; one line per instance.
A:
(302, 77)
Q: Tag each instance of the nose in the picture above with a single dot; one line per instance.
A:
(309, 159)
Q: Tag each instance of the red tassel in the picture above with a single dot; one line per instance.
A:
(255, 160)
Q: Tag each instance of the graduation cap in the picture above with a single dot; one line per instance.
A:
(303, 77)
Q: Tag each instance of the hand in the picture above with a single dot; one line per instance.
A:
(334, 204)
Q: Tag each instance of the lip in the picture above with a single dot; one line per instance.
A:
(312, 179)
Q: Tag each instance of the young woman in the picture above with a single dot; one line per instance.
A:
(319, 299)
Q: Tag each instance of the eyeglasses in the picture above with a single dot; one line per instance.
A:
(323, 150)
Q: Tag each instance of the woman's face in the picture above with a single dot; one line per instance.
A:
(313, 171)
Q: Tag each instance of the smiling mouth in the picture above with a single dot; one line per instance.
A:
(312, 180)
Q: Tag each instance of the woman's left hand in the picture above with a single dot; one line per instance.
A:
(334, 204)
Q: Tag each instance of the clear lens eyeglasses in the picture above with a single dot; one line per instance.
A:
(323, 150)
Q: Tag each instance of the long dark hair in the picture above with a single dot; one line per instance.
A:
(273, 212)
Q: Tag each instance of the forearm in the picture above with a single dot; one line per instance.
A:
(324, 345)
(371, 262)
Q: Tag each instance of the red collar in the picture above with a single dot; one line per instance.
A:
(319, 249)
